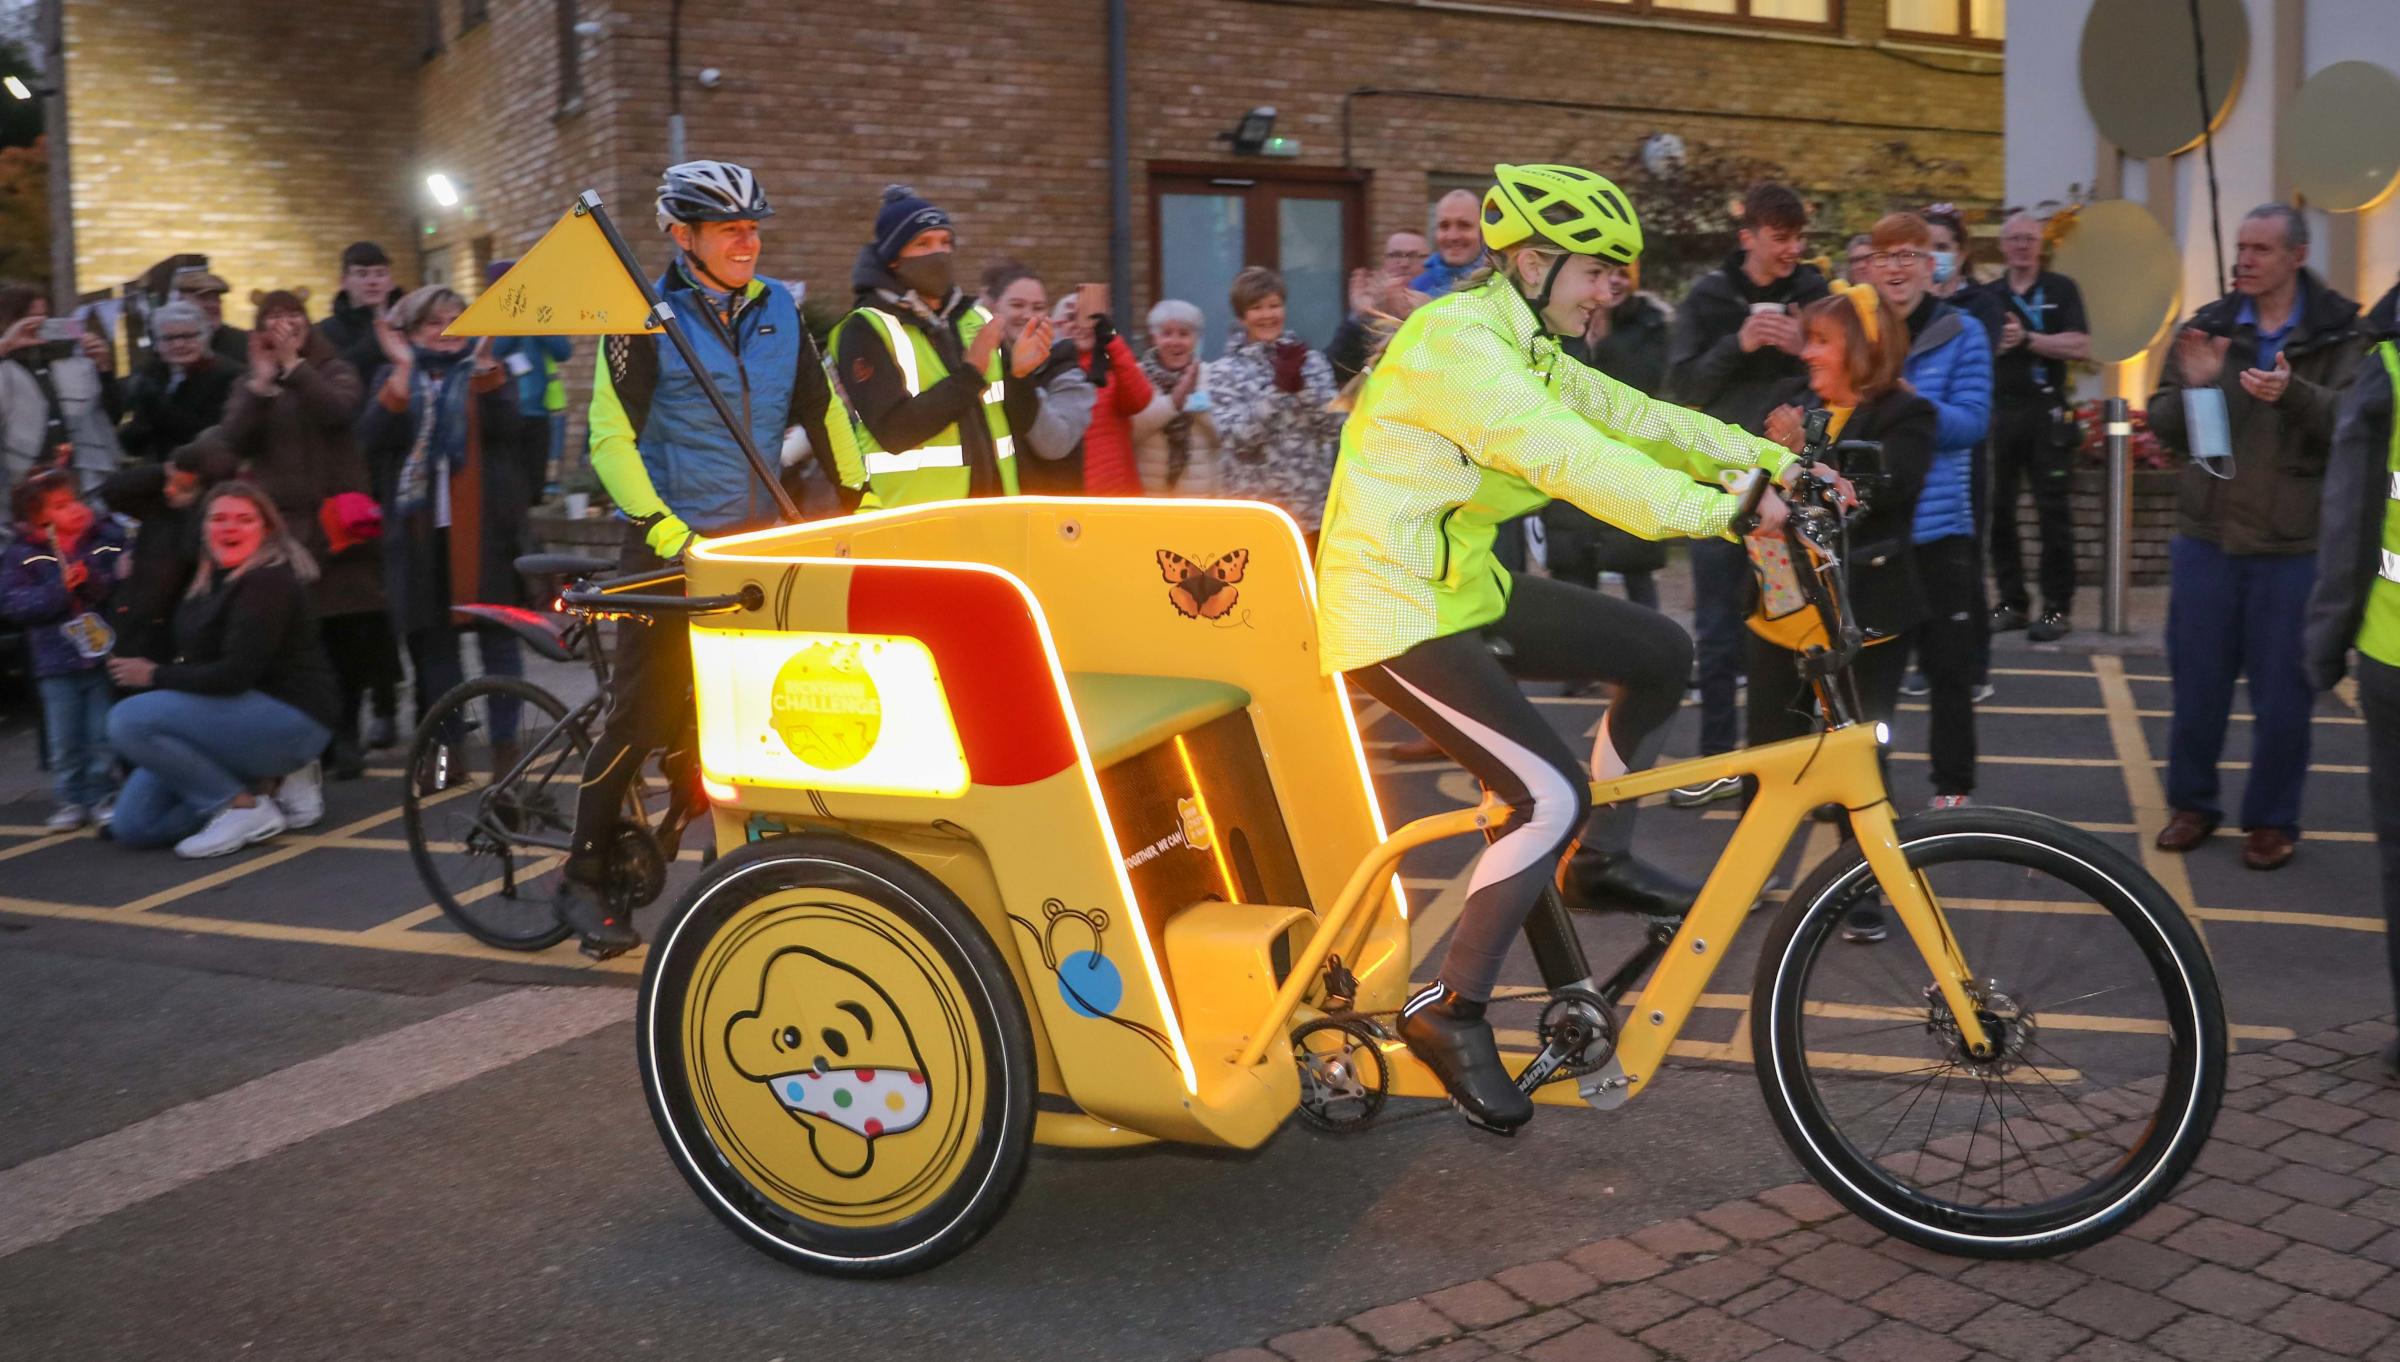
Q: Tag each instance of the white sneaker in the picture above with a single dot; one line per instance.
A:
(233, 828)
(66, 818)
(301, 797)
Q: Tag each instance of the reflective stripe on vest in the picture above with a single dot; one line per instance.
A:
(931, 456)
(2379, 632)
(904, 351)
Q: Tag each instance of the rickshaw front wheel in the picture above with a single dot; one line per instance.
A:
(836, 1056)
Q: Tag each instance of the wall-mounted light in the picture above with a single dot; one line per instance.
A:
(1250, 136)
(444, 192)
(16, 88)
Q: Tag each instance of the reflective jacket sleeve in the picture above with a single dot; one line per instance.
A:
(898, 419)
(1469, 387)
(1670, 436)
(623, 383)
(2350, 526)
(818, 410)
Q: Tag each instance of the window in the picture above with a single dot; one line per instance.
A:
(1817, 13)
(1205, 226)
(570, 58)
(1974, 21)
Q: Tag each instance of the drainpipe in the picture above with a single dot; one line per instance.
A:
(62, 182)
(1120, 173)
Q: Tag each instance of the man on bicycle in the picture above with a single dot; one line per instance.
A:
(1474, 416)
(677, 474)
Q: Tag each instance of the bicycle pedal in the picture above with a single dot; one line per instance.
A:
(1504, 1132)
(594, 951)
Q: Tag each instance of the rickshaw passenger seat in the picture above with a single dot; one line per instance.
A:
(1125, 715)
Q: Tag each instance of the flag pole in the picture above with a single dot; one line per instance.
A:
(662, 314)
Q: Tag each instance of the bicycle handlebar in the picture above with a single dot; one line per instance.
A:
(627, 596)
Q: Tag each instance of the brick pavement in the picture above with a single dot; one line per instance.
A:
(2280, 1246)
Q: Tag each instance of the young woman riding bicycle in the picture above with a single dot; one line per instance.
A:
(1472, 417)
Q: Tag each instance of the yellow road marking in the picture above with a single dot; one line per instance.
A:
(532, 870)
(55, 839)
(409, 943)
(2143, 790)
(290, 847)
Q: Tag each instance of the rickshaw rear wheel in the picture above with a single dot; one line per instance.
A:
(836, 1057)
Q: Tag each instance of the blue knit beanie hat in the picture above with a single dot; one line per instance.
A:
(902, 219)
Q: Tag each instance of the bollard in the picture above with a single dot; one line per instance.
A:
(2118, 543)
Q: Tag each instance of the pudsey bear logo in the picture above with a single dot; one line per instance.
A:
(833, 1049)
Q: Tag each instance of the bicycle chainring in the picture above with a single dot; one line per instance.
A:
(637, 873)
(1344, 1078)
(1581, 1026)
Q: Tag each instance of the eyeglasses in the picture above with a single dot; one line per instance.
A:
(1904, 259)
(172, 337)
(1406, 255)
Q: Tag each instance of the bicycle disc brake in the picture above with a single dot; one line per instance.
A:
(1344, 1077)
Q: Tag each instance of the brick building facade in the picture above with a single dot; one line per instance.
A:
(268, 135)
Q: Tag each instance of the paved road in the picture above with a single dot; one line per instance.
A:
(278, 1109)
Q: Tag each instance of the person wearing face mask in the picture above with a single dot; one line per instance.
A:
(676, 474)
(1950, 365)
(1473, 416)
(924, 368)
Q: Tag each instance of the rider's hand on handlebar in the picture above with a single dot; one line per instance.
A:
(669, 538)
(1843, 492)
(1772, 513)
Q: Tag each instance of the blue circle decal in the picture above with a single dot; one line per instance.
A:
(1090, 984)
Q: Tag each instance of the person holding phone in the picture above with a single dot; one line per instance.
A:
(1125, 407)
(59, 400)
(2276, 351)
(943, 405)
(1272, 398)
(1050, 407)
(1474, 416)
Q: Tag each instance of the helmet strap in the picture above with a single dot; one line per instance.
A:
(1541, 301)
(702, 272)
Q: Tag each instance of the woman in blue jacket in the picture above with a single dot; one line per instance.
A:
(1950, 366)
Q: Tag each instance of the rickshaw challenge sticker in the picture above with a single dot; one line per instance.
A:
(826, 707)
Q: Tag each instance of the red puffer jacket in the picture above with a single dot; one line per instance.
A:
(1108, 469)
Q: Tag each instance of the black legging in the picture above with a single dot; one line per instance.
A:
(1467, 700)
(649, 709)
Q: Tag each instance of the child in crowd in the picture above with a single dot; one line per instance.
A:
(55, 581)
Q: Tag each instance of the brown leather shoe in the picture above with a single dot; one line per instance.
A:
(2268, 849)
(2187, 829)
(1417, 749)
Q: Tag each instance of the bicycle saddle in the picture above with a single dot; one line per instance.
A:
(564, 565)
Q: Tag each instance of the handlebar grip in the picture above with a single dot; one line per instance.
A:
(750, 597)
(1745, 514)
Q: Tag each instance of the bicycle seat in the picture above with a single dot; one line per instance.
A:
(1125, 715)
(564, 565)
(544, 631)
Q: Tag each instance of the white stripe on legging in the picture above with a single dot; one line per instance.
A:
(1527, 844)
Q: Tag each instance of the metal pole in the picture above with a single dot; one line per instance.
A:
(675, 153)
(2120, 521)
(1120, 172)
(54, 131)
(664, 316)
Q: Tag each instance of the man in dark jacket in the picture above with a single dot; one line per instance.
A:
(2356, 602)
(366, 289)
(2276, 352)
(1736, 341)
(1627, 342)
(1387, 292)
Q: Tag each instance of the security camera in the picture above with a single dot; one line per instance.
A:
(711, 78)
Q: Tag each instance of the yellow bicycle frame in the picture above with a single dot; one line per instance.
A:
(1795, 776)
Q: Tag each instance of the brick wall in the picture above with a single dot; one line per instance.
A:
(267, 135)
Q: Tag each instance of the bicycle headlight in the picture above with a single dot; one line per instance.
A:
(1883, 735)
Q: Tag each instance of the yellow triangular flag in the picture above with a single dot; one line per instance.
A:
(570, 284)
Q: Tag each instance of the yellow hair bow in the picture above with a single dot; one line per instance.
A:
(1867, 303)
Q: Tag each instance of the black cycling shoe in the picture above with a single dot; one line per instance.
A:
(1597, 882)
(1450, 1035)
(605, 932)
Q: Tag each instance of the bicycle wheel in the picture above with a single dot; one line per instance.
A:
(836, 1056)
(2111, 1040)
(470, 836)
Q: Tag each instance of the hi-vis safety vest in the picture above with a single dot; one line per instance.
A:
(2379, 635)
(936, 470)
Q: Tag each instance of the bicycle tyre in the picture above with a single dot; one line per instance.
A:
(742, 1010)
(2130, 1179)
(523, 930)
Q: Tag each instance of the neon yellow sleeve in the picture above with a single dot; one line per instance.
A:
(615, 457)
(1671, 436)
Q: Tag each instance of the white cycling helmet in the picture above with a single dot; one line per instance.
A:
(710, 191)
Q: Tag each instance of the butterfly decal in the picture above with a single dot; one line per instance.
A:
(1202, 593)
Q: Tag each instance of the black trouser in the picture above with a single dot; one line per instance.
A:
(366, 660)
(649, 708)
(1576, 540)
(1781, 707)
(1465, 699)
(2024, 454)
(1720, 583)
(1952, 575)
(2379, 697)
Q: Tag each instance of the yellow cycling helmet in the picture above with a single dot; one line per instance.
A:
(1566, 206)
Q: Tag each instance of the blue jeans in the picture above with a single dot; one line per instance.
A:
(2229, 615)
(1720, 584)
(434, 655)
(75, 732)
(191, 754)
